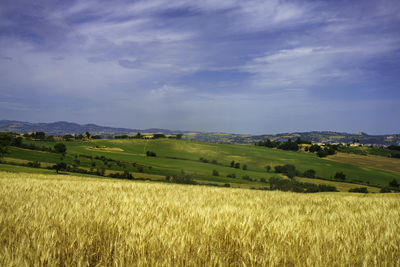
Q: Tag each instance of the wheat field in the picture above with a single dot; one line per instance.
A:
(57, 220)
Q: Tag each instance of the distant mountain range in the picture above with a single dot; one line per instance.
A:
(314, 136)
(61, 128)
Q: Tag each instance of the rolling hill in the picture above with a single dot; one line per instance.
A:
(62, 128)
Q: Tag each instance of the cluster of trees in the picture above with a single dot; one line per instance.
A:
(393, 185)
(140, 136)
(340, 176)
(37, 136)
(180, 178)
(125, 175)
(5, 142)
(236, 165)
(214, 161)
(359, 190)
(288, 145)
(87, 136)
(67, 137)
(288, 169)
(395, 151)
(322, 151)
(277, 183)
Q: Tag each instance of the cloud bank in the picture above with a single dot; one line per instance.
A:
(237, 66)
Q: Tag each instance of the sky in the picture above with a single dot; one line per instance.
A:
(253, 67)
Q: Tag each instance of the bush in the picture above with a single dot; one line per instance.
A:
(232, 175)
(244, 167)
(215, 173)
(151, 154)
(359, 190)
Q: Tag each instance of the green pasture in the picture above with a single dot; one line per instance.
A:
(175, 156)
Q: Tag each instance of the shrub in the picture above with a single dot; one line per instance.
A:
(151, 154)
(232, 175)
(215, 173)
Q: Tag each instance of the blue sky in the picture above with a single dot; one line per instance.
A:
(231, 66)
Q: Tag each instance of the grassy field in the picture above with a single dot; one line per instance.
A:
(60, 220)
(174, 156)
(369, 161)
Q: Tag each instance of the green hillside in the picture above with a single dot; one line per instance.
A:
(177, 156)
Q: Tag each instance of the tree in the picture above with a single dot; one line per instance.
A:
(288, 169)
(359, 190)
(5, 141)
(244, 167)
(60, 166)
(60, 148)
(215, 173)
(268, 168)
(394, 183)
(151, 154)
(314, 148)
(237, 165)
(385, 190)
(68, 137)
(40, 135)
(158, 135)
(17, 141)
(309, 173)
(179, 136)
(232, 163)
(87, 135)
(340, 175)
